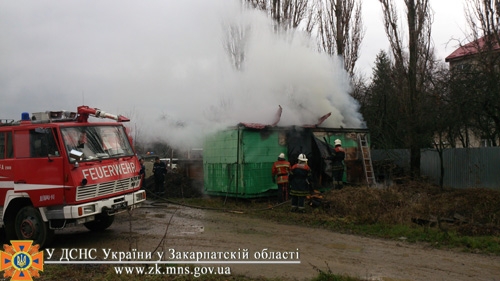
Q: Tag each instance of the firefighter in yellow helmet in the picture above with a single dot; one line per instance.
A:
(280, 171)
(300, 183)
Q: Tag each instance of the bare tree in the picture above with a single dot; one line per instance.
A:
(483, 18)
(235, 41)
(287, 14)
(338, 23)
(412, 67)
(340, 29)
(445, 121)
(479, 72)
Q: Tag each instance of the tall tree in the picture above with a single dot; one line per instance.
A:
(444, 120)
(380, 107)
(412, 66)
(287, 14)
(235, 43)
(338, 23)
(340, 30)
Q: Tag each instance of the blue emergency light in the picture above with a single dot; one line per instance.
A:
(25, 116)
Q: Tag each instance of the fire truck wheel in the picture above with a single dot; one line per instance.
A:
(100, 223)
(29, 225)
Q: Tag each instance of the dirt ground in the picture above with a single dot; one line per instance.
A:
(190, 229)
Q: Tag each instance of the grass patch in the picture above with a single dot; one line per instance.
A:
(464, 219)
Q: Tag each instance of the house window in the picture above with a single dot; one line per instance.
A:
(463, 67)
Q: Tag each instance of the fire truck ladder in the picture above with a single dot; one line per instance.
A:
(367, 159)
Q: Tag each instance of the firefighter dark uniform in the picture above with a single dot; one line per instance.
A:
(300, 183)
(337, 158)
(142, 172)
(280, 171)
(159, 171)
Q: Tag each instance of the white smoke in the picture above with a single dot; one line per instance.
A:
(279, 69)
(163, 64)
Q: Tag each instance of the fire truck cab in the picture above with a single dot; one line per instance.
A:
(57, 169)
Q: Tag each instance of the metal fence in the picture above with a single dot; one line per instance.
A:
(463, 167)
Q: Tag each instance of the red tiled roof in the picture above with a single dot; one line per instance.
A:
(471, 48)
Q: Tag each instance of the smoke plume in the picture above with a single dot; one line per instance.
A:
(178, 69)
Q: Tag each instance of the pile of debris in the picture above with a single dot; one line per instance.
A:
(317, 200)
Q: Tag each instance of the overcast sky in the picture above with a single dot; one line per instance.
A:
(449, 27)
(164, 58)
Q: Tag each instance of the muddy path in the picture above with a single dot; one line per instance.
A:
(191, 230)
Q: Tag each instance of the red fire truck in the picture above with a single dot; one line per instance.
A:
(57, 169)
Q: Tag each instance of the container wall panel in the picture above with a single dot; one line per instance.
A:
(221, 147)
(220, 163)
(237, 162)
(260, 151)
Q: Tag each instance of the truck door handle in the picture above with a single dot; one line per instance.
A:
(20, 181)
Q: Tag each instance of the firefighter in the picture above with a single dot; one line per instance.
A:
(300, 183)
(159, 171)
(279, 172)
(142, 172)
(337, 157)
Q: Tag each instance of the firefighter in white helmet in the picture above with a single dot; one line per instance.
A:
(337, 157)
(300, 183)
(280, 171)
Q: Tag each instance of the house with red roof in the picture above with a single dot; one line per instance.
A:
(472, 53)
(479, 55)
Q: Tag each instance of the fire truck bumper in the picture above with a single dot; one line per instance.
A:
(86, 212)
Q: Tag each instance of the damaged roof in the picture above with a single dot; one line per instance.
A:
(260, 126)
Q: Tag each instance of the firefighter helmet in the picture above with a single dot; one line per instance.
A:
(338, 142)
(281, 156)
(302, 157)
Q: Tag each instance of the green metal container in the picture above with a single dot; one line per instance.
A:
(237, 161)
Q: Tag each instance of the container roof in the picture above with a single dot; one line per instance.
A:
(259, 126)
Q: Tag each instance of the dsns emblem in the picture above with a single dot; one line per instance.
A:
(21, 261)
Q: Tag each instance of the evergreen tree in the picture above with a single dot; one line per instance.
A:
(381, 107)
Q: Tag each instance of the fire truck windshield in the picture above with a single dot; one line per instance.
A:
(96, 142)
